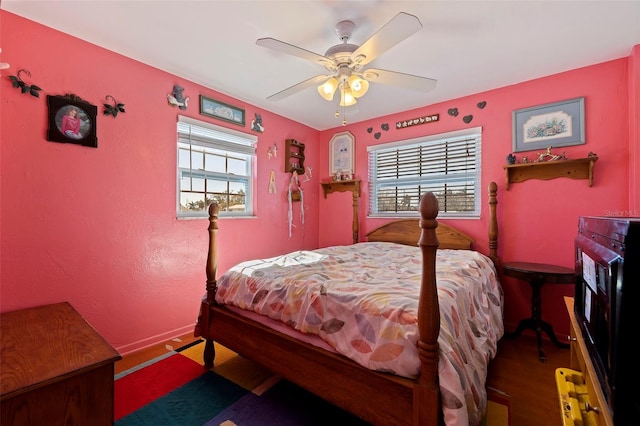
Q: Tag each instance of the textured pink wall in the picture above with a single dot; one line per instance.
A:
(97, 227)
(538, 218)
(634, 131)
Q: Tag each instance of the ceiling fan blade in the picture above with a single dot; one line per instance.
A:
(290, 49)
(298, 87)
(393, 32)
(399, 79)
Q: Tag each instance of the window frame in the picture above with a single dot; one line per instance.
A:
(469, 179)
(213, 140)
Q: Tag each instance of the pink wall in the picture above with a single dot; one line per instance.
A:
(538, 218)
(97, 227)
(634, 131)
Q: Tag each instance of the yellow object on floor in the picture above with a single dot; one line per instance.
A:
(497, 414)
(497, 409)
(573, 396)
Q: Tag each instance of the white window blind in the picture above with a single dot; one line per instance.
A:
(447, 165)
(214, 163)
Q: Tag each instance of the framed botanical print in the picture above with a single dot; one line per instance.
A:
(553, 125)
(341, 154)
(72, 120)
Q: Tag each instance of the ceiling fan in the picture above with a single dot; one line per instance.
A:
(345, 62)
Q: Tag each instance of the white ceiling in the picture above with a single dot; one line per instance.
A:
(468, 46)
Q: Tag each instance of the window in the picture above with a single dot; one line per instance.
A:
(214, 163)
(447, 165)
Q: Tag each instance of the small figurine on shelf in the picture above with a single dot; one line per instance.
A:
(548, 156)
(511, 159)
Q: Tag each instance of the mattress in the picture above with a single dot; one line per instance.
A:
(361, 301)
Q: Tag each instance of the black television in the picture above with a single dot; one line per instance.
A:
(607, 307)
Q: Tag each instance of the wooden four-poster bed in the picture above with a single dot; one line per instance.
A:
(379, 397)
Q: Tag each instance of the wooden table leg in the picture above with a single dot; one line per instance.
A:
(536, 323)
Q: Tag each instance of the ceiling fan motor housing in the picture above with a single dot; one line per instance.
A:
(340, 54)
(344, 29)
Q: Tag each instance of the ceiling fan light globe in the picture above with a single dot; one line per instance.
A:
(358, 86)
(347, 98)
(328, 88)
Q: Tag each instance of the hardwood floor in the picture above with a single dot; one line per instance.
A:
(135, 358)
(530, 383)
(516, 371)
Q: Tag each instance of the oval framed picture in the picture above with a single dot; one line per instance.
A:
(72, 120)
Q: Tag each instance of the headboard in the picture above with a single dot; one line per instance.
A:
(407, 231)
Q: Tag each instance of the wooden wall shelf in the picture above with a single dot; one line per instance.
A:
(581, 168)
(344, 186)
(293, 156)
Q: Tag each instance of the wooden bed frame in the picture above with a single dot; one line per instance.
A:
(379, 398)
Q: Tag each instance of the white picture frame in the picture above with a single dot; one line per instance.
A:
(341, 154)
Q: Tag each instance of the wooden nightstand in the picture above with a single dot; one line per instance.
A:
(54, 369)
(537, 274)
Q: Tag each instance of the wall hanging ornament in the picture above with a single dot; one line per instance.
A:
(272, 182)
(112, 110)
(272, 151)
(17, 82)
(295, 194)
(431, 118)
(3, 65)
(176, 98)
(256, 124)
(72, 120)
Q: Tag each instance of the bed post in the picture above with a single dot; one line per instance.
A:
(212, 267)
(493, 225)
(426, 392)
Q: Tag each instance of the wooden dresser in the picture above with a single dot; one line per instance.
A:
(54, 369)
(581, 362)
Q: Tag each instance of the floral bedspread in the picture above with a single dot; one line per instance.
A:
(362, 299)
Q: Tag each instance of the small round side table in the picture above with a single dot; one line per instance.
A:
(537, 274)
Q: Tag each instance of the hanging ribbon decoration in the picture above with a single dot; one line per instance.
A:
(272, 182)
(295, 183)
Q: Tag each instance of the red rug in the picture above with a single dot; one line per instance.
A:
(139, 388)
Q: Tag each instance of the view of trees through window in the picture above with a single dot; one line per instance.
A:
(450, 198)
(214, 164)
(226, 202)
